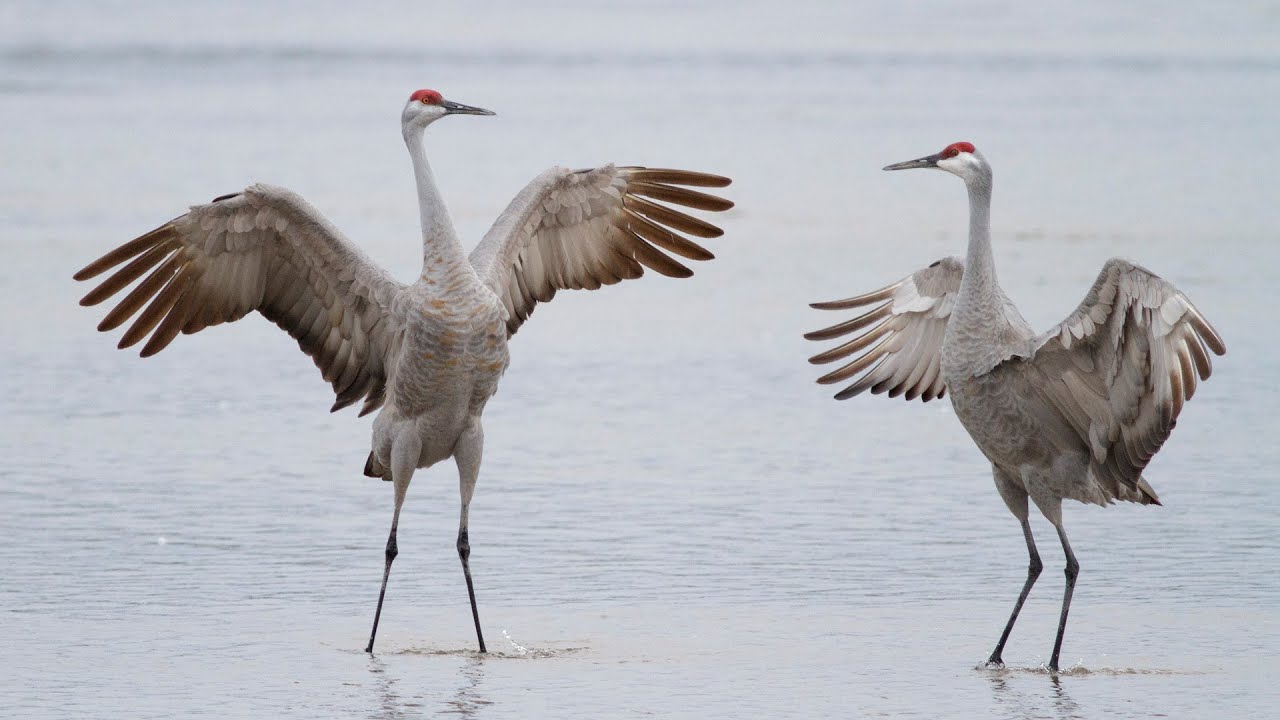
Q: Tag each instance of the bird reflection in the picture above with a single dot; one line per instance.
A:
(466, 701)
(392, 705)
(1017, 704)
(1062, 702)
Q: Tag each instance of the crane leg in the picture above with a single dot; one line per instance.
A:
(1072, 570)
(1033, 572)
(467, 454)
(404, 459)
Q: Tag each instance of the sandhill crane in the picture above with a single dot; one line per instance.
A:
(1076, 412)
(429, 354)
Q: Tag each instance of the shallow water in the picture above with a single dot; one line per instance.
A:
(672, 520)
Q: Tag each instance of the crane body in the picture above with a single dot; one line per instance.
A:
(1073, 413)
(428, 355)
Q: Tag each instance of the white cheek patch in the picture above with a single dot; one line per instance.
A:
(962, 165)
(953, 164)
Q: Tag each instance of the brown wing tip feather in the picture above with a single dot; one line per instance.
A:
(672, 218)
(1210, 336)
(679, 195)
(650, 257)
(883, 293)
(835, 304)
(128, 251)
(688, 178)
(849, 392)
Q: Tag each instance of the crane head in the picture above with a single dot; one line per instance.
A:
(427, 106)
(958, 158)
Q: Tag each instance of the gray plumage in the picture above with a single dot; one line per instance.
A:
(1075, 412)
(428, 354)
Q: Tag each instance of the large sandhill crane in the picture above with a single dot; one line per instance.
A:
(428, 354)
(1076, 412)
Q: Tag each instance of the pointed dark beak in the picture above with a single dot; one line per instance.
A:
(454, 108)
(924, 162)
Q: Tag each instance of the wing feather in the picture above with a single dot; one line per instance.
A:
(580, 230)
(1120, 369)
(263, 249)
(899, 337)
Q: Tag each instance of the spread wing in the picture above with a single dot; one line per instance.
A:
(263, 249)
(1120, 367)
(586, 228)
(899, 337)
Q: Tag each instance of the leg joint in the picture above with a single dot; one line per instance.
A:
(464, 546)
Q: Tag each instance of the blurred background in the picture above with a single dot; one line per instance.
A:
(672, 519)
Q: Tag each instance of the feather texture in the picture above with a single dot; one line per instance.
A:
(264, 249)
(1120, 368)
(579, 230)
(899, 337)
(1113, 376)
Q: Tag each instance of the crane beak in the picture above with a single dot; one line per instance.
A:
(924, 162)
(454, 108)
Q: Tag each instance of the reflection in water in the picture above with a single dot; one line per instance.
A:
(392, 705)
(468, 700)
(465, 702)
(1014, 703)
(1062, 702)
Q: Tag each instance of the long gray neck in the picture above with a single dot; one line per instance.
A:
(985, 329)
(442, 254)
(978, 286)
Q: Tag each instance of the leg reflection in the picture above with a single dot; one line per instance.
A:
(468, 701)
(1022, 694)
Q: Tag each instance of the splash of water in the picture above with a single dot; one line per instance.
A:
(520, 649)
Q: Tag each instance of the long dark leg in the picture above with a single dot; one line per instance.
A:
(1033, 572)
(404, 459)
(392, 551)
(467, 454)
(1014, 493)
(1072, 570)
(464, 554)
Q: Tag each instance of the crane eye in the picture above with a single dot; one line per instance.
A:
(425, 100)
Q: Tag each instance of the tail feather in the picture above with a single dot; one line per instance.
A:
(375, 469)
(1148, 493)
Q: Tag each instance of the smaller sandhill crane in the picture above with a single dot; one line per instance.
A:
(429, 354)
(1076, 412)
